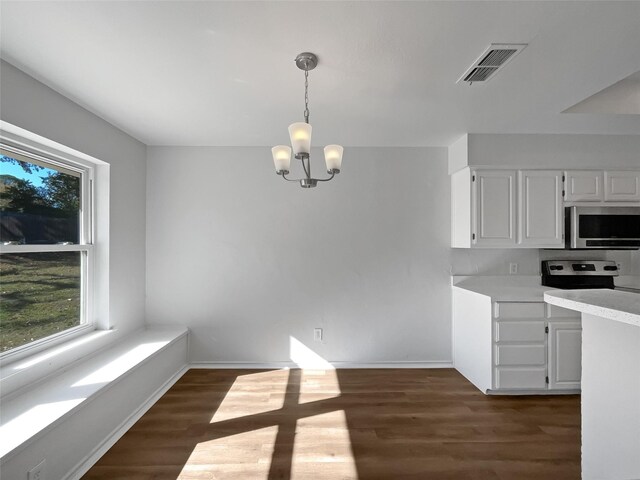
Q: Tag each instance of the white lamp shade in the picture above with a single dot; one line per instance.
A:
(300, 134)
(282, 158)
(333, 157)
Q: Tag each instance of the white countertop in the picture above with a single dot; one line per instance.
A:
(612, 304)
(504, 288)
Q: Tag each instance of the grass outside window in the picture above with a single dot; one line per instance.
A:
(40, 295)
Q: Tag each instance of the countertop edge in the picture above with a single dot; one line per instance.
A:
(503, 288)
(591, 305)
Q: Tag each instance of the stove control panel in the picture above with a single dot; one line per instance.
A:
(580, 267)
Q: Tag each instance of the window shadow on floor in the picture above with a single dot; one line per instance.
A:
(384, 423)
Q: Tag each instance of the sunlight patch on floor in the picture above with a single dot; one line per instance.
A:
(318, 385)
(250, 452)
(324, 439)
(252, 394)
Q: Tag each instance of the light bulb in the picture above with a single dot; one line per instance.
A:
(333, 158)
(300, 134)
(281, 158)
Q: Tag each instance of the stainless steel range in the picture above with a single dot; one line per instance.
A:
(572, 274)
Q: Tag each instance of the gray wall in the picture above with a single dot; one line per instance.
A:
(30, 105)
(468, 261)
(554, 151)
(247, 260)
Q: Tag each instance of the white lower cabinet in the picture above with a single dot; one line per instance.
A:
(520, 355)
(515, 347)
(514, 378)
(565, 348)
(535, 347)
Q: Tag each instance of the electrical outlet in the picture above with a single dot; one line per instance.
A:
(513, 268)
(37, 472)
(317, 334)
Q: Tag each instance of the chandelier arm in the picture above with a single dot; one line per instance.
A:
(284, 175)
(307, 170)
(326, 179)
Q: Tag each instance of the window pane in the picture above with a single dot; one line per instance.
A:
(39, 295)
(38, 204)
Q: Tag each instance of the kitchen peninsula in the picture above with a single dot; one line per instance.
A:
(610, 379)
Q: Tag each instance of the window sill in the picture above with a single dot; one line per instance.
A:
(27, 371)
(30, 410)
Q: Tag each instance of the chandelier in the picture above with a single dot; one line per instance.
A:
(300, 135)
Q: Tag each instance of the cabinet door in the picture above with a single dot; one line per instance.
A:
(622, 186)
(565, 351)
(584, 186)
(540, 219)
(494, 195)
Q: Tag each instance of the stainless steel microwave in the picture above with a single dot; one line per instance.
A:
(602, 227)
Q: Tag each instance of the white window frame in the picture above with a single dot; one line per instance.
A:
(43, 155)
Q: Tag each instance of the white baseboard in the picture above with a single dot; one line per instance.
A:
(281, 365)
(84, 465)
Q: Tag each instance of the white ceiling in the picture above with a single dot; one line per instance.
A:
(622, 97)
(222, 73)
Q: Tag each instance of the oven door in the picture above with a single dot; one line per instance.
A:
(602, 227)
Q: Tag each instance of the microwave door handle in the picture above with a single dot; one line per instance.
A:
(574, 228)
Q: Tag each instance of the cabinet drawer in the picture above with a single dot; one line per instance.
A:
(559, 312)
(520, 331)
(519, 310)
(521, 378)
(520, 355)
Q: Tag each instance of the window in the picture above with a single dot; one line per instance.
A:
(46, 248)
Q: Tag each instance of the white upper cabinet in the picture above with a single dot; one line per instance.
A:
(621, 186)
(584, 186)
(494, 198)
(494, 208)
(541, 214)
(507, 208)
(602, 186)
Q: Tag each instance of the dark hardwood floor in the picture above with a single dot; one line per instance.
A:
(346, 424)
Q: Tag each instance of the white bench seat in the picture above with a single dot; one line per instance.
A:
(28, 414)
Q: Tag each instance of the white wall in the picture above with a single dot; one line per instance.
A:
(468, 261)
(30, 105)
(247, 260)
(551, 151)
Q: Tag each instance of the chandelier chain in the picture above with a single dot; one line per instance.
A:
(306, 96)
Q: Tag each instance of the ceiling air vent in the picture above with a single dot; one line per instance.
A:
(492, 59)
